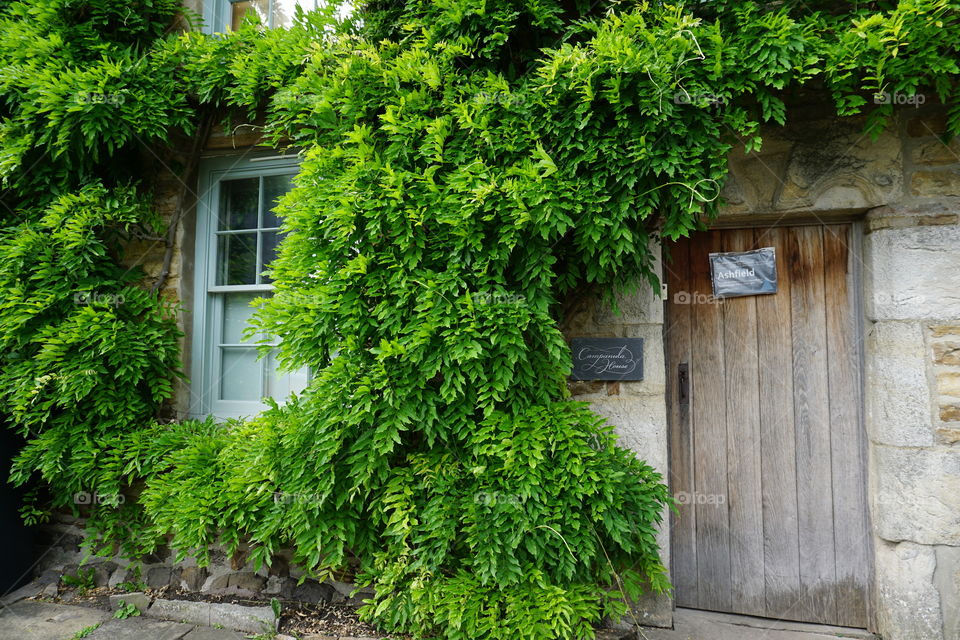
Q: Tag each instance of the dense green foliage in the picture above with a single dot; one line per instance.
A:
(467, 166)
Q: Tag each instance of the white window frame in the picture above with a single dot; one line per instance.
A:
(217, 15)
(208, 307)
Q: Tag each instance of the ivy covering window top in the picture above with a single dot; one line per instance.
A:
(466, 167)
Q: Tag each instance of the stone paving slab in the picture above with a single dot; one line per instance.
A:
(31, 620)
(27, 591)
(206, 633)
(141, 629)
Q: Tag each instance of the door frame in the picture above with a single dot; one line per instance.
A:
(857, 228)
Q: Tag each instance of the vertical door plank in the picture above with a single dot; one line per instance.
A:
(812, 420)
(744, 500)
(683, 527)
(708, 400)
(849, 496)
(781, 552)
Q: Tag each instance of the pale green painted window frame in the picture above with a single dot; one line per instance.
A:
(217, 14)
(207, 307)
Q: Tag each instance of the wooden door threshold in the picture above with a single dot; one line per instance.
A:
(693, 624)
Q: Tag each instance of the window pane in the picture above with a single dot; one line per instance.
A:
(283, 11)
(273, 188)
(236, 316)
(239, 200)
(240, 374)
(281, 384)
(241, 9)
(268, 251)
(237, 257)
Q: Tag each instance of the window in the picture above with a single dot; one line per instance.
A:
(237, 236)
(226, 15)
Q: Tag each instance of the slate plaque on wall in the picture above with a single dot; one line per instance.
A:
(744, 273)
(607, 358)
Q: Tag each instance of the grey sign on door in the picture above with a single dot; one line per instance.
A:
(744, 273)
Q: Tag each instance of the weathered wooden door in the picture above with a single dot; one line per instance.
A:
(767, 446)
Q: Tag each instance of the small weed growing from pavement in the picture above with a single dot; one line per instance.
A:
(126, 610)
(82, 582)
(83, 633)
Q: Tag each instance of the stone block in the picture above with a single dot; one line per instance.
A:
(941, 330)
(948, 435)
(344, 589)
(821, 165)
(946, 353)
(241, 618)
(117, 577)
(641, 424)
(247, 581)
(837, 168)
(49, 576)
(180, 611)
(639, 306)
(897, 389)
(917, 494)
(935, 221)
(927, 125)
(218, 582)
(908, 604)
(585, 387)
(158, 577)
(937, 152)
(948, 383)
(946, 577)
(280, 587)
(911, 273)
(950, 412)
(654, 366)
(245, 135)
(102, 572)
(192, 578)
(138, 599)
(929, 183)
(313, 592)
(579, 320)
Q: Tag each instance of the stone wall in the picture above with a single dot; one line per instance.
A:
(912, 287)
(226, 575)
(638, 409)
